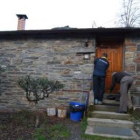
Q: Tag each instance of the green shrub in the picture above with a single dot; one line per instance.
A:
(38, 88)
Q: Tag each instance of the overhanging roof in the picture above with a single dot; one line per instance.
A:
(73, 32)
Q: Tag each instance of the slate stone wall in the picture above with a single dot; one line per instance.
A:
(132, 60)
(57, 59)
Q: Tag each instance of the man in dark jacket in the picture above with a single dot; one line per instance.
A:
(100, 67)
(125, 80)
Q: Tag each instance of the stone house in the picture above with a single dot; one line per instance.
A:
(65, 55)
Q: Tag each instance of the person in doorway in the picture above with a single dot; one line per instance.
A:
(125, 81)
(100, 67)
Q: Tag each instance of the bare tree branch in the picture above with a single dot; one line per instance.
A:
(130, 14)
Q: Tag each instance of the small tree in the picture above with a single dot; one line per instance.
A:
(130, 13)
(38, 89)
(48, 87)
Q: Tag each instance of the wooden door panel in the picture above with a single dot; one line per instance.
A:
(108, 81)
(115, 58)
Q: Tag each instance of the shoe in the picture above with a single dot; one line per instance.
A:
(100, 103)
(122, 112)
(111, 97)
(117, 99)
(95, 101)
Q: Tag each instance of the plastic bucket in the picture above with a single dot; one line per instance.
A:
(51, 111)
(76, 111)
(62, 112)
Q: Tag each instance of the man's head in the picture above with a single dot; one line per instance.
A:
(113, 73)
(104, 55)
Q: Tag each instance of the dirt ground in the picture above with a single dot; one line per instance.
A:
(21, 126)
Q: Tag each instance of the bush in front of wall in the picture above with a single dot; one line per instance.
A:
(38, 88)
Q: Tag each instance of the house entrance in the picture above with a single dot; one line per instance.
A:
(114, 49)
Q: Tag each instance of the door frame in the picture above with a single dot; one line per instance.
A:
(121, 40)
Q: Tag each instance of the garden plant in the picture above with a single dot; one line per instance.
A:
(38, 89)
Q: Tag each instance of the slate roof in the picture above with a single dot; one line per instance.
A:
(73, 32)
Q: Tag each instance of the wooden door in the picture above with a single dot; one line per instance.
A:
(114, 49)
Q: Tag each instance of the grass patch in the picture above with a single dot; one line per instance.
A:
(22, 117)
(134, 119)
(4, 135)
(40, 137)
(53, 132)
(3, 127)
(19, 139)
(39, 133)
(58, 131)
(84, 124)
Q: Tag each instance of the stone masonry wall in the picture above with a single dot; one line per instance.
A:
(60, 59)
(132, 60)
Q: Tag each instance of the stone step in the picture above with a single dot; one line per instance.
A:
(112, 132)
(110, 123)
(109, 108)
(110, 115)
(111, 102)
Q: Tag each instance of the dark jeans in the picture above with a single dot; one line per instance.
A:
(98, 87)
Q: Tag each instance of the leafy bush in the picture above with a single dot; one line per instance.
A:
(38, 88)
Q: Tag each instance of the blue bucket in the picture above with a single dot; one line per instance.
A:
(77, 111)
